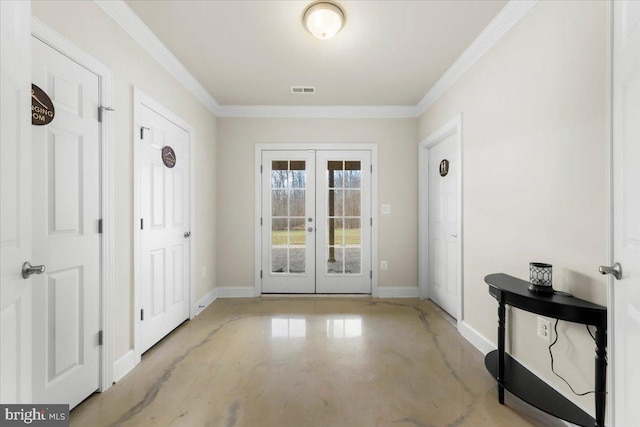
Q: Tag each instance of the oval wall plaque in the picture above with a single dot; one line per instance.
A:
(444, 167)
(42, 110)
(168, 156)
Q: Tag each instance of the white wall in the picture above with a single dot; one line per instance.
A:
(396, 139)
(86, 25)
(535, 179)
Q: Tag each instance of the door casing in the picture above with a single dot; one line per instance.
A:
(452, 127)
(259, 148)
(65, 47)
(140, 99)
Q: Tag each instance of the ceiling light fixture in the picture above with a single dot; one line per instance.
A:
(323, 19)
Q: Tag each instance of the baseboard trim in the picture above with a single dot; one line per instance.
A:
(123, 365)
(478, 340)
(236, 292)
(397, 292)
(204, 302)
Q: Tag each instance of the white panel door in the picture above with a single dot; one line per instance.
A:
(66, 239)
(288, 229)
(164, 243)
(626, 206)
(343, 210)
(15, 209)
(443, 226)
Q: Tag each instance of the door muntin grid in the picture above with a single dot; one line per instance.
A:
(344, 217)
(288, 200)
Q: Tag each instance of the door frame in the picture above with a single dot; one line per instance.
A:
(141, 99)
(259, 148)
(452, 127)
(67, 48)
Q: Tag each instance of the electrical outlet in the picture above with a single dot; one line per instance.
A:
(384, 265)
(544, 329)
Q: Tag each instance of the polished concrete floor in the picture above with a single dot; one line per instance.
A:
(310, 362)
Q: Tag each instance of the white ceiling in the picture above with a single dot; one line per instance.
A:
(251, 52)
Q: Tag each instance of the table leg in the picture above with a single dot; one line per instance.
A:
(601, 374)
(501, 333)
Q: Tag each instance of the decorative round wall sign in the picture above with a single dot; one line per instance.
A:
(168, 156)
(42, 110)
(444, 167)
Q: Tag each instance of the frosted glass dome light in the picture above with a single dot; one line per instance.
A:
(323, 19)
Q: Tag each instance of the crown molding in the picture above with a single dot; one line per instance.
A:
(124, 16)
(320, 111)
(510, 14)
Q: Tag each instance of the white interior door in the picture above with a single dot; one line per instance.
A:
(316, 221)
(15, 209)
(66, 239)
(626, 206)
(343, 209)
(164, 234)
(443, 225)
(288, 230)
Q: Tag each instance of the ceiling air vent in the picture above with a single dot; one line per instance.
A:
(303, 89)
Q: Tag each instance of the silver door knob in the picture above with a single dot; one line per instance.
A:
(28, 269)
(187, 234)
(616, 270)
(454, 235)
(310, 229)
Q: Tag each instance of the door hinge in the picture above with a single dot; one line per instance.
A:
(261, 274)
(260, 221)
(370, 274)
(371, 221)
(142, 314)
(141, 223)
(101, 111)
(371, 168)
(100, 226)
(260, 168)
(142, 128)
(101, 338)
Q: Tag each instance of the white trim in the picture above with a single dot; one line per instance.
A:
(478, 340)
(124, 365)
(124, 16)
(498, 27)
(139, 99)
(318, 147)
(452, 127)
(67, 48)
(320, 111)
(398, 292)
(205, 301)
(236, 292)
(610, 412)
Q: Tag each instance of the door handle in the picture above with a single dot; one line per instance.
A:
(616, 270)
(187, 234)
(310, 229)
(454, 235)
(28, 269)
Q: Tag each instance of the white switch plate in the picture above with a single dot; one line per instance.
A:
(386, 209)
(384, 265)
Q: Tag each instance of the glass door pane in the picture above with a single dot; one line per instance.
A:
(288, 227)
(344, 221)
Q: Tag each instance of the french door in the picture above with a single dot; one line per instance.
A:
(316, 221)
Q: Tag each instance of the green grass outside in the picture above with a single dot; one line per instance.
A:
(352, 237)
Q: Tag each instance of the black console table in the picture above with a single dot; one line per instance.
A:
(520, 381)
